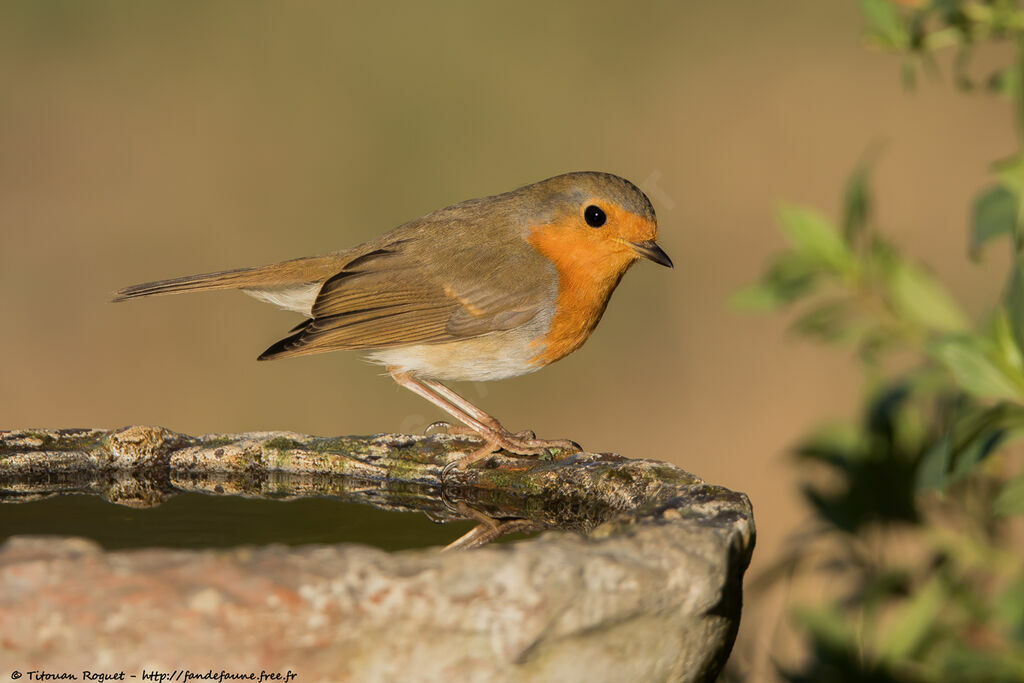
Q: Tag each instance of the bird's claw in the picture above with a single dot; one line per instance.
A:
(444, 427)
(464, 461)
(437, 427)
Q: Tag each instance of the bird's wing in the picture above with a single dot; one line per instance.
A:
(417, 291)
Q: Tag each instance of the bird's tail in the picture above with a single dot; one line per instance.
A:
(297, 271)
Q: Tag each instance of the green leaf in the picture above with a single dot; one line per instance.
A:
(876, 342)
(1010, 172)
(933, 470)
(856, 204)
(975, 450)
(973, 370)
(919, 298)
(1009, 607)
(1014, 300)
(840, 442)
(885, 22)
(1010, 500)
(813, 236)
(1020, 95)
(1003, 339)
(994, 214)
(827, 321)
(977, 432)
(913, 622)
(828, 625)
(788, 278)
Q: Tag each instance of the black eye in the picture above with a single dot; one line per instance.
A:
(594, 216)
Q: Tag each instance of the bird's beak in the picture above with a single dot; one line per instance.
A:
(650, 250)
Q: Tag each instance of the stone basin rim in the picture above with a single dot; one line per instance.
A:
(630, 490)
(660, 579)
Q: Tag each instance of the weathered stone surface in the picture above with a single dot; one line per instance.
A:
(652, 591)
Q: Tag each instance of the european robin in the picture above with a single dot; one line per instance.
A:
(486, 289)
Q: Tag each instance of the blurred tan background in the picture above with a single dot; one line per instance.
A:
(147, 140)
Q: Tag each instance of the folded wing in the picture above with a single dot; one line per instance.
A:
(400, 295)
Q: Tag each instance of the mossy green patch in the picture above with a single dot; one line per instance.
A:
(671, 475)
(70, 441)
(404, 469)
(282, 443)
(217, 441)
(515, 481)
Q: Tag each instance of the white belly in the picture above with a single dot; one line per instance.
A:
(492, 356)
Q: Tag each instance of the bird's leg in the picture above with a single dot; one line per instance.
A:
(463, 404)
(417, 387)
(485, 431)
(494, 435)
(523, 443)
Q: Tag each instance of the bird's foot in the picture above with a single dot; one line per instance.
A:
(519, 443)
(527, 443)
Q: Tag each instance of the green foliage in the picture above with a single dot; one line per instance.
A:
(995, 214)
(916, 501)
(1010, 501)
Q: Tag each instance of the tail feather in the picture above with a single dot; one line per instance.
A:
(296, 271)
(227, 279)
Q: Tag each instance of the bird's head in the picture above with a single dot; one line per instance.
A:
(594, 221)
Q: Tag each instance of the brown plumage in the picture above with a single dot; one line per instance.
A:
(484, 289)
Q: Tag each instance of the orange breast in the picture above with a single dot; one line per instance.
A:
(589, 267)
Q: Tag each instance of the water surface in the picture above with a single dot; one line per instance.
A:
(194, 520)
